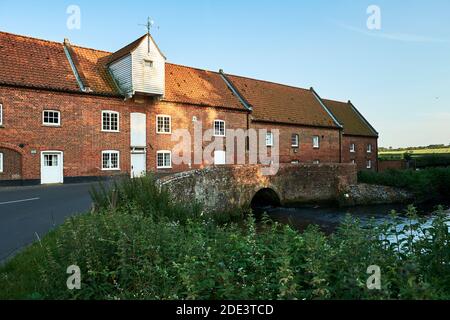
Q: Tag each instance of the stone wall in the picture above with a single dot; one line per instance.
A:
(221, 188)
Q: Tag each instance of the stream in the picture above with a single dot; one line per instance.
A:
(328, 218)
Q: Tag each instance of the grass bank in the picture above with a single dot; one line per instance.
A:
(432, 184)
(138, 244)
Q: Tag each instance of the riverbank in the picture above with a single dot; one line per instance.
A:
(138, 244)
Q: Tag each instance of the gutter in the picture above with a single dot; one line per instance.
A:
(363, 119)
(326, 109)
(341, 127)
(67, 51)
(235, 91)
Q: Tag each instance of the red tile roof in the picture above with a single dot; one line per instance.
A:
(274, 102)
(189, 85)
(33, 63)
(353, 122)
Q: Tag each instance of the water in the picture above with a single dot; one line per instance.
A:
(328, 218)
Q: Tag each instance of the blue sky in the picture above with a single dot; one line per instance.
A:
(399, 76)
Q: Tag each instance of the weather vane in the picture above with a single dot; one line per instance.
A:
(149, 25)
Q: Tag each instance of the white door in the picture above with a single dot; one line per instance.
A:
(138, 165)
(52, 167)
(219, 158)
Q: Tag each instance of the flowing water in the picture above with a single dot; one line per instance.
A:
(328, 218)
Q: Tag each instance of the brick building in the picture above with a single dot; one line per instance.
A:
(69, 113)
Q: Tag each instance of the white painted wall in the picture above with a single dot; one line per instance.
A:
(148, 80)
(132, 75)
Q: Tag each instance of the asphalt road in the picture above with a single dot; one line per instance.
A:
(29, 212)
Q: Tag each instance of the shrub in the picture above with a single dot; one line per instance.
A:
(136, 250)
(432, 184)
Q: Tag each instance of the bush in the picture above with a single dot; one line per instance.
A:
(147, 250)
(432, 184)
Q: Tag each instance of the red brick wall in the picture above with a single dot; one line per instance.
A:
(82, 141)
(12, 164)
(329, 143)
(361, 156)
(391, 164)
(80, 136)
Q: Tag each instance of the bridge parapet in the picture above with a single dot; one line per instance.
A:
(225, 187)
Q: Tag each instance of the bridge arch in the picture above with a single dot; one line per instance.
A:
(265, 197)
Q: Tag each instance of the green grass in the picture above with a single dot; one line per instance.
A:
(417, 152)
(133, 248)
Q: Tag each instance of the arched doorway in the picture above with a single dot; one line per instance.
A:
(10, 164)
(264, 199)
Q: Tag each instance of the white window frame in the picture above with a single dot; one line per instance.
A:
(118, 160)
(224, 128)
(297, 142)
(118, 120)
(353, 161)
(352, 147)
(316, 146)
(369, 164)
(369, 148)
(269, 142)
(316, 162)
(1, 162)
(170, 158)
(51, 124)
(170, 123)
(1, 114)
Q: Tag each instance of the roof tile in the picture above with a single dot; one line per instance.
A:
(353, 123)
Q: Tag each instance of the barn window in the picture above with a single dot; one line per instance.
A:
(369, 148)
(163, 124)
(269, 139)
(295, 140)
(110, 160)
(164, 159)
(1, 162)
(219, 128)
(148, 63)
(316, 142)
(1, 114)
(110, 121)
(369, 164)
(51, 118)
(352, 148)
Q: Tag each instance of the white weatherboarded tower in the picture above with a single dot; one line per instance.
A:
(139, 68)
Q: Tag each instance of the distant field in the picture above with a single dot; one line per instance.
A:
(417, 152)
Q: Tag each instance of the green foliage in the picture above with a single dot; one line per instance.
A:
(126, 252)
(431, 184)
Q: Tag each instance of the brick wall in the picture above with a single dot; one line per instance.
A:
(80, 136)
(12, 164)
(361, 156)
(81, 139)
(328, 152)
(392, 164)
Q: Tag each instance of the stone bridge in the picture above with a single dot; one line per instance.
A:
(226, 187)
